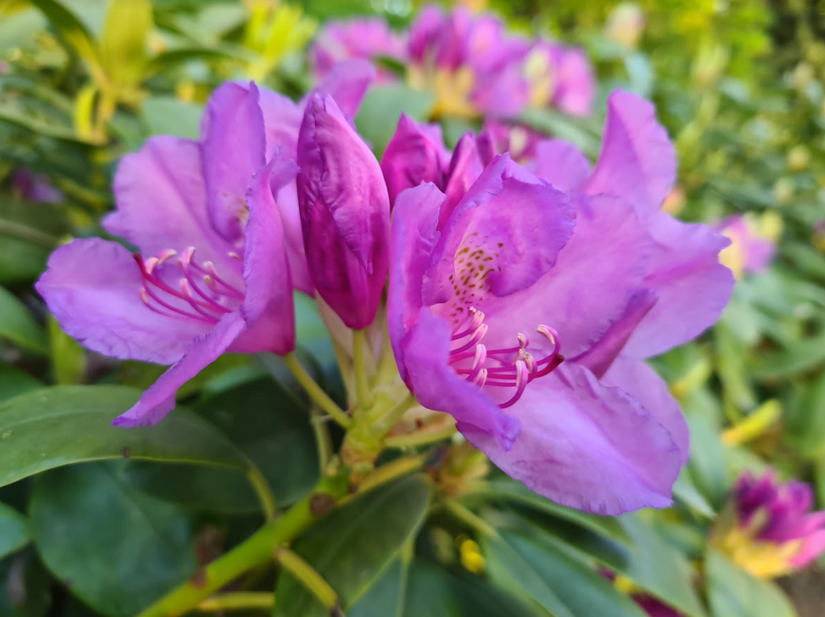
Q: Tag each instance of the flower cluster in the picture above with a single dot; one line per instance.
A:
(768, 528)
(519, 300)
(470, 62)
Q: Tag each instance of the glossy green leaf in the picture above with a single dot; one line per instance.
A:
(477, 598)
(541, 564)
(18, 325)
(119, 548)
(71, 424)
(14, 530)
(125, 39)
(732, 592)
(166, 115)
(352, 546)
(15, 381)
(382, 107)
(68, 356)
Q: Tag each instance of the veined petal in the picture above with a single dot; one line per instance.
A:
(692, 286)
(268, 307)
(426, 350)
(161, 201)
(159, 399)
(562, 164)
(586, 445)
(234, 149)
(93, 289)
(465, 168)
(637, 161)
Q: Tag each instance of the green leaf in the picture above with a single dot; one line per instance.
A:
(732, 592)
(511, 491)
(685, 492)
(544, 564)
(71, 424)
(166, 115)
(125, 39)
(352, 546)
(477, 598)
(798, 357)
(806, 426)
(14, 530)
(660, 569)
(382, 108)
(15, 381)
(118, 548)
(74, 32)
(68, 356)
(28, 234)
(24, 586)
(707, 464)
(18, 325)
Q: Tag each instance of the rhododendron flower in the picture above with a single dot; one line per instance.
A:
(518, 140)
(34, 187)
(753, 242)
(365, 39)
(768, 528)
(560, 76)
(488, 290)
(210, 219)
(654, 607)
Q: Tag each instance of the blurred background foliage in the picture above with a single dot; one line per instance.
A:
(740, 84)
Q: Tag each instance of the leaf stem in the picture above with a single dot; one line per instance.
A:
(237, 600)
(264, 492)
(308, 576)
(24, 232)
(469, 518)
(362, 386)
(316, 393)
(420, 438)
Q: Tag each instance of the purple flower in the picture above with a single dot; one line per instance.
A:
(654, 608)
(218, 232)
(752, 243)
(345, 213)
(518, 140)
(772, 530)
(488, 288)
(35, 187)
(364, 39)
(560, 76)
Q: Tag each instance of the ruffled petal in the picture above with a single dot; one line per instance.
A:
(234, 149)
(436, 386)
(93, 289)
(586, 445)
(159, 399)
(161, 200)
(691, 285)
(637, 161)
(562, 164)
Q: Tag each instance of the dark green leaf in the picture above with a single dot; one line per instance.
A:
(382, 108)
(14, 381)
(352, 546)
(117, 549)
(28, 234)
(24, 586)
(477, 598)
(18, 325)
(14, 530)
(799, 357)
(707, 464)
(735, 593)
(71, 424)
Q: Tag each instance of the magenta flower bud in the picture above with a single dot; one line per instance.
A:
(770, 529)
(345, 213)
(415, 155)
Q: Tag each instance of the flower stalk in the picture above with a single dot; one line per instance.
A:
(241, 600)
(308, 576)
(315, 392)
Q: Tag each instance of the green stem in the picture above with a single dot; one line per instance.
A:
(386, 422)
(420, 439)
(24, 232)
(237, 600)
(470, 518)
(308, 576)
(316, 393)
(362, 385)
(388, 472)
(322, 438)
(264, 492)
(255, 550)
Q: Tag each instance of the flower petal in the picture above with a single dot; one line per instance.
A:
(465, 168)
(268, 307)
(93, 289)
(637, 161)
(347, 83)
(415, 155)
(344, 213)
(234, 149)
(645, 386)
(159, 399)
(586, 445)
(562, 164)
(436, 386)
(161, 200)
(692, 286)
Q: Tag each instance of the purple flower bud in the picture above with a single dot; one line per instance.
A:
(345, 213)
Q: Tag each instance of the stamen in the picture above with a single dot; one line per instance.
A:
(522, 378)
(477, 336)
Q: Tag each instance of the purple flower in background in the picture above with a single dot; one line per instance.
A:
(345, 213)
(769, 528)
(35, 187)
(518, 140)
(215, 223)
(488, 288)
(654, 607)
(753, 242)
(364, 39)
(561, 77)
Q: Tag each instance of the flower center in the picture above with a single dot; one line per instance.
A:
(510, 367)
(201, 294)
